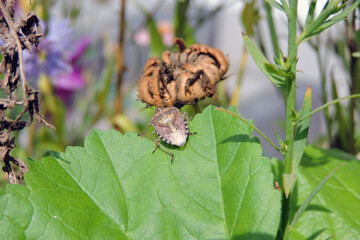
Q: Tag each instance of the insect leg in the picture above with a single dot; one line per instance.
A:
(187, 118)
(192, 80)
(204, 81)
(158, 144)
(144, 133)
(156, 141)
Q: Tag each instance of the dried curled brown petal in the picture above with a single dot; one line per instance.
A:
(183, 77)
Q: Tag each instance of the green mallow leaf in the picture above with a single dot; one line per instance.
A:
(219, 187)
(270, 71)
(335, 210)
(302, 130)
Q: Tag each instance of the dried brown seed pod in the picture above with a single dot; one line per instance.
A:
(183, 77)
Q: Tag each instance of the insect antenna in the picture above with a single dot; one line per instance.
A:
(146, 107)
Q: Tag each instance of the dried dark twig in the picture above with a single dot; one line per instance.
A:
(19, 47)
(18, 35)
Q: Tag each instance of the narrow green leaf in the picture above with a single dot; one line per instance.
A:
(357, 37)
(182, 28)
(277, 167)
(208, 15)
(323, 22)
(278, 139)
(286, 6)
(302, 131)
(327, 105)
(311, 196)
(289, 181)
(278, 72)
(115, 188)
(156, 44)
(275, 5)
(341, 16)
(342, 123)
(262, 62)
(335, 210)
(310, 15)
(273, 32)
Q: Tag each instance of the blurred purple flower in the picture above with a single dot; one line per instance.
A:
(66, 84)
(57, 57)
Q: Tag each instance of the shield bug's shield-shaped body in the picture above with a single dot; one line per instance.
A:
(171, 127)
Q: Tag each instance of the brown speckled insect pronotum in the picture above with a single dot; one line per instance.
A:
(171, 127)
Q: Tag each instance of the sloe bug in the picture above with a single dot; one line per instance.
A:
(170, 126)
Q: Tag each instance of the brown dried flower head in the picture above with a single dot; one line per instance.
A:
(183, 77)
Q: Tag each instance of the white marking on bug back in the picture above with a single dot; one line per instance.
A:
(178, 138)
(167, 120)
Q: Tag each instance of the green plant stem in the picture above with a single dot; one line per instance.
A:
(196, 108)
(290, 108)
(274, 38)
(285, 6)
(290, 92)
(328, 105)
(235, 96)
(120, 60)
(324, 94)
(252, 126)
(355, 78)
(343, 125)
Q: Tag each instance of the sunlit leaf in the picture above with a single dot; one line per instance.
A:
(262, 62)
(219, 187)
(311, 196)
(335, 210)
(302, 131)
